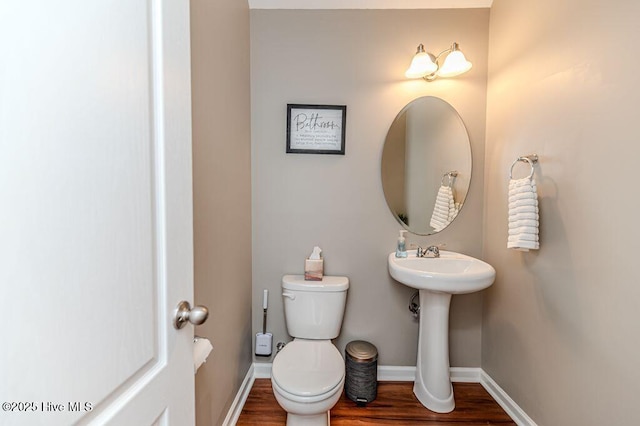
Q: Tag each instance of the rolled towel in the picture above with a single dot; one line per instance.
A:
(523, 237)
(524, 245)
(444, 209)
(522, 190)
(438, 226)
(523, 215)
(524, 202)
(457, 207)
(522, 196)
(514, 183)
(441, 211)
(440, 217)
(522, 184)
(523, 230)
(523, 209)
(453, 210)
(517, 223)
(442, 199)
(438, 223)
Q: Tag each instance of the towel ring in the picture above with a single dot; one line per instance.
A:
(451, 175)
(531, 159)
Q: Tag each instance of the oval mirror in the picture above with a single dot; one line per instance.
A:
(426, 165)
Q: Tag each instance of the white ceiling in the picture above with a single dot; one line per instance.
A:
(369, 4)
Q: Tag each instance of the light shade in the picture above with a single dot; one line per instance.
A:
(454, 64)
(421, 65)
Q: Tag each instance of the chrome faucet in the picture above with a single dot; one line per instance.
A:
(431, 251)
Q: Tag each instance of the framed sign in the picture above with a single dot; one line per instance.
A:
(316, 129)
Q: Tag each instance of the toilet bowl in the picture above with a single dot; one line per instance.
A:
(307, 376)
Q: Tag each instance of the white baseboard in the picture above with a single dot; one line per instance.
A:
(504, 400)
(390, 373)
(465, 374)
(262, 370)
(241, 397)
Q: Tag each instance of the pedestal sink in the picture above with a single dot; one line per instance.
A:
(438, 279)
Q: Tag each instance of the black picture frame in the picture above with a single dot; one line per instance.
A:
(316, 129)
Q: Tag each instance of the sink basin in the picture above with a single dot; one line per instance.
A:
(437, 279)
(452, 272)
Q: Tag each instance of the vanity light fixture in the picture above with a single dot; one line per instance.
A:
(427, 66)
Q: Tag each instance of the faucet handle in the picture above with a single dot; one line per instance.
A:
(431, 251)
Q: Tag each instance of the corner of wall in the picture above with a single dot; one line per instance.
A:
(222, 198)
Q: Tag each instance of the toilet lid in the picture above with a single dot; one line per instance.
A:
(308, 367)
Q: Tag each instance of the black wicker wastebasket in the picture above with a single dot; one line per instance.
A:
(361, 384)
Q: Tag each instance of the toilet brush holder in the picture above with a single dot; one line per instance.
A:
(264, 340)
(264, 343)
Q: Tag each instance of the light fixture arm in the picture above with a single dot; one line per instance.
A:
(453, 47)
(436, 60)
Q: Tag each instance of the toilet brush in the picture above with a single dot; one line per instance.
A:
(264, 340)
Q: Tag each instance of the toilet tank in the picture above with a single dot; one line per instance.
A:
(314, 309)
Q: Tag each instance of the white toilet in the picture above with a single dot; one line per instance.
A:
(307, 376)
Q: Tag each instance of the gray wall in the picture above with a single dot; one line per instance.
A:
(222, 198)
(561, 325)
(358, 59)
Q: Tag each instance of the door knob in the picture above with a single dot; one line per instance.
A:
(185, 313)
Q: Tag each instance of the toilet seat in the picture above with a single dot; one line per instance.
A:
(308, 370)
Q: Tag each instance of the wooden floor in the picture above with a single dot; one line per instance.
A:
(394, 405)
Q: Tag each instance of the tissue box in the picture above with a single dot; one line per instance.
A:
(313, 269)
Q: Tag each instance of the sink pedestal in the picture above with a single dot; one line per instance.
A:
(438, 279)
(432, 384)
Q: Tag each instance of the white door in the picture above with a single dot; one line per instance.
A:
(95, 212)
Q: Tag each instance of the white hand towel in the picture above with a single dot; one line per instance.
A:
(453, 211)
(517, 223)
(444, 209)
(523, 215)
(442, 219)
(524, 230)
(521, 184)
(514, 183)
(522, 190)
(441, 210)
(524, 245)
(524, 210)
(525, 202)
(529, 195)
(523, 237)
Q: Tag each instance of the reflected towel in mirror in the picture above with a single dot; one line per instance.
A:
(445, 209)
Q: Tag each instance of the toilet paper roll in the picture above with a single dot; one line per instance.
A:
(201, 349)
